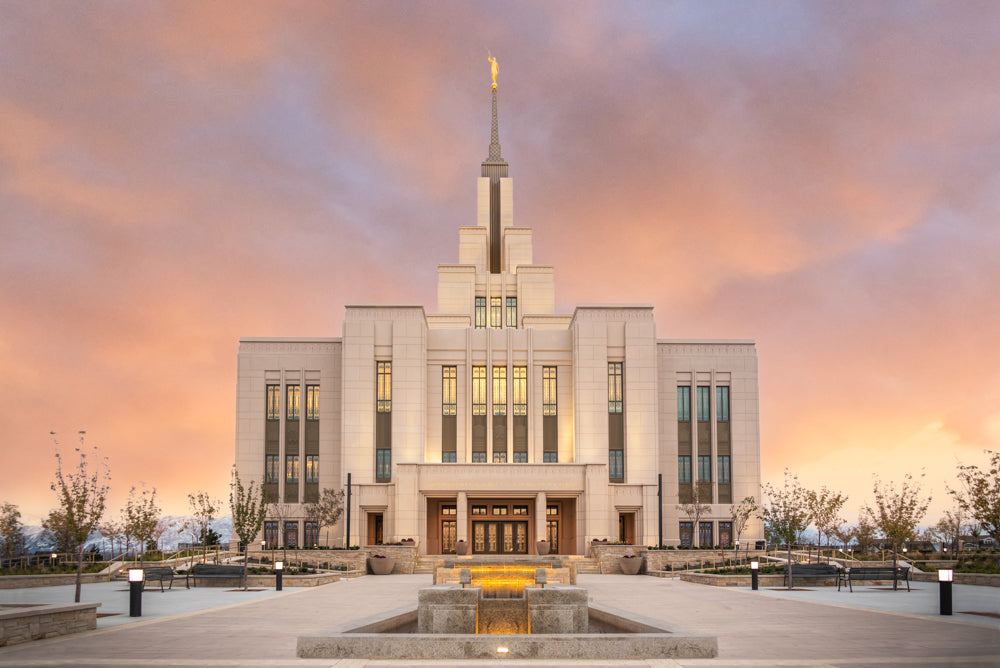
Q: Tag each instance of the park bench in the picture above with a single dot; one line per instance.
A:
(812, 572)
(160, 573)
(862, 573)
(214, 572)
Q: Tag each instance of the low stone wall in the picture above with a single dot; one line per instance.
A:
(24, 581)
(715, 580)
(268, 581)
(25, 622)
(354, 560)
(607, 556)
(980, 579)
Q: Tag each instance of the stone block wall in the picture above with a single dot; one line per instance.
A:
(22, 623)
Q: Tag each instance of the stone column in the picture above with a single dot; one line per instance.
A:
(540, 501)
(462, 518)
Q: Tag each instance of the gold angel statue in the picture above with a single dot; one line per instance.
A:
(494, 67)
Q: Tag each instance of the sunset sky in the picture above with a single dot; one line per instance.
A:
(822, 177)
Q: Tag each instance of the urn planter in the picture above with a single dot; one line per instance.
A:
(543, 547)
(381, 565)
(630, 565)
(461, 548)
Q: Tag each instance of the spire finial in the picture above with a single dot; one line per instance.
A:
(494, 67)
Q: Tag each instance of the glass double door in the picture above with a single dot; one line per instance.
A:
(500, 537)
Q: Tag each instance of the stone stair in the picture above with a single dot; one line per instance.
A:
(426, 563)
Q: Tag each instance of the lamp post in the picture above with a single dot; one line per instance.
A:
(135, 578)
(278, 568)
(754, 566)
(945, 577)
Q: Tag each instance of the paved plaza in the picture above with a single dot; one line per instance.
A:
(814, 626)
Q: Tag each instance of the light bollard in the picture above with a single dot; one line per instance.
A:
(135, 582)
(279, 566)
(945, 578)
(754, 566)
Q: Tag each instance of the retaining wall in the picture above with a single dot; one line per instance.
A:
(25, 622)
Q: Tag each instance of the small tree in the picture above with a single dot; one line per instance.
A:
(896, 513)
(741, 513)
(82, 496)
(786, 513)
(327, 511)
(112, 531)
(952, 526)
(11, 531)
(162, 527)
(249, 505)
(204, 508)
(824, 506)
(141, 513)
(981, 500)
(864, 533)
(695, 510)
(842, 532)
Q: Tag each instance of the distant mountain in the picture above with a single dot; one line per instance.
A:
(36, 540)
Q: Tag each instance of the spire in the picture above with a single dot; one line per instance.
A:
(495, 168)
(495, 132)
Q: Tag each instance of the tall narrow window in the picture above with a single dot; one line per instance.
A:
(271, 468)
(291, 468)
(615, 387)
(512, 312)
(449, 390)
(548, 390)
(312, 402)
(704, 534)
(683, 403)
(312, 468)
(684, 469)
(704, 468)
(519, 393)
(384, 399)
(722, 403)
(273, 402)
(383, 421)
(616, 465)
(723, 469)
(311, 533)
(449, 410)
(520, 390)
(703, 393)
(479, 390)
(496, 312)
(499, 390)
(292, 407)
(480, 312)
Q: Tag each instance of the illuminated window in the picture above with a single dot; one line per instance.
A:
(520, 510)
(548, 390)
(499, 510)
(722, 404)
(271, 468)
(479, 390)
(551, 510)
(273, 402)
(271, 534)
(704, 468)
(683, 403)
(449, 510)
(480, 312)
(499, 457)
(292, 407)
(478, 510)
(499, 390)
(723, 472)
(725, 534)
(684, 469)
(616, 465)
(384, 400)
(449, 391)
(520, 390)
(703, 393)
(512, 312)
(496, 312)
(312, 468)
(291, 468)
(614, 387)
(312, 402)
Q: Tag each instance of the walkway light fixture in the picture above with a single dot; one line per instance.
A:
(945, 578)
(754, 567)
(279, 566)
(136, 576)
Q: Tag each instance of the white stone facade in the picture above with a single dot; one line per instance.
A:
(498, 506)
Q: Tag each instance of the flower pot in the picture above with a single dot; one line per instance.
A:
(543, 547)
(381, 566)
(630, 565)
(461, 548)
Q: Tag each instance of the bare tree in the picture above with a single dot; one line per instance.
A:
(11, 531)
(112, 531)
(741, 513)
(82, 497)
(952, 526)
(141, 513)
(162, 526)
(897, 512)
(864, 533)
(327, 511)
(824, 506)
(695, 510)
(204, 508)
(786, 513)
(981, 499)
(249, 505)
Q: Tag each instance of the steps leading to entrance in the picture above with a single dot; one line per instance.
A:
(426, 563)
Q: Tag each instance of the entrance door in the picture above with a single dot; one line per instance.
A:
(449, 528)
(626, 528)
(374, 528)
(500, 537)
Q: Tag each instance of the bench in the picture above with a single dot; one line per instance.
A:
(812, 572)
(214, 572)
(160, 573)
(860, 573)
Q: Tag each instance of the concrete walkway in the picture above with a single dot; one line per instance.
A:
(816, 627)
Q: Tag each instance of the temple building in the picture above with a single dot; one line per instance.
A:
(497, 421)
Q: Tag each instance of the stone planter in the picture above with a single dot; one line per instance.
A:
(543, 547)
(630, 565)
(381, 566)
(461, 548)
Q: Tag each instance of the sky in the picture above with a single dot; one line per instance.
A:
(821, 177)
